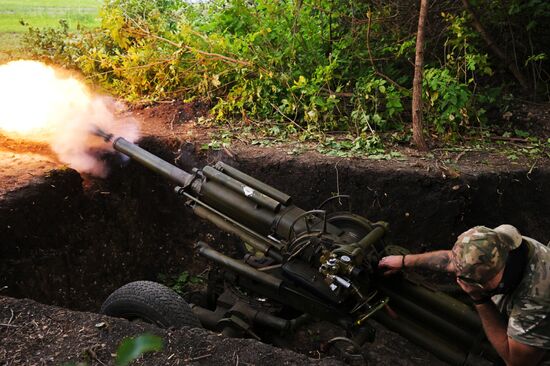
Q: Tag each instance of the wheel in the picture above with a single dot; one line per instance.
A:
(151, 302)
(355, 227)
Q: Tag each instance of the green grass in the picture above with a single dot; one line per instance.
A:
(46, 13)
(41, 14)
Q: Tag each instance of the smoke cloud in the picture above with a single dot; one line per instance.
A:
(39, 103)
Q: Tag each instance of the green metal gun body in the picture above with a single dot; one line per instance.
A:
(244, 199)
(329, 281)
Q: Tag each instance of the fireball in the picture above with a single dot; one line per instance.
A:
(41, 104)
(35, 102)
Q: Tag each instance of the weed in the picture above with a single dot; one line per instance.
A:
(180, 283)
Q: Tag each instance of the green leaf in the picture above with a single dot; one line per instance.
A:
(132, 348)
(183, 277)
(521, 133)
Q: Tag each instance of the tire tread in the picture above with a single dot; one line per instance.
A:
(152, 302)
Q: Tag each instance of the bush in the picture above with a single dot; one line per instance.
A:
(312, 65)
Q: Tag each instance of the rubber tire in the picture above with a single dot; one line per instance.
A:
(150, 302)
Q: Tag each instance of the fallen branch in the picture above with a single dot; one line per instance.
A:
(511, 139)
(501, 138)
(192, 359)
(286, 117)
(460, 156)
(531, 170)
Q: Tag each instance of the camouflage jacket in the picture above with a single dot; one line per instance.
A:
(528, 306)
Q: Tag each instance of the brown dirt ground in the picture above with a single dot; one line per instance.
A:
(21, 163)
(36, 334)
(21, 160)
(176, 120)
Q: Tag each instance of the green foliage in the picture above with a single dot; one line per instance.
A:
(451, 102)
(17, 15)
(180, 283)
(297, 68)
(290, 77)
(377, 104)
(132, 348)
(520, 28)
(46, 13)
(447, 100)
(463, 56)
(363, 145)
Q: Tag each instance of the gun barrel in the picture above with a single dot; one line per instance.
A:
(108, 137)
(253, 209)
(152, 162)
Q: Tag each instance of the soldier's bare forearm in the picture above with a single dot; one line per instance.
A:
(436, 261)
(495, 328)
(511, 351)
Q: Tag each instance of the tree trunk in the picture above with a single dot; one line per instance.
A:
(522, 80)
(418, 134)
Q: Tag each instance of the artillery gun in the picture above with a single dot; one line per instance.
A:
(314, 265)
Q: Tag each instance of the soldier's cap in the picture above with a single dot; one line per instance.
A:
(480, 253)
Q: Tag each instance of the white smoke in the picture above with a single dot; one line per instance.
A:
(75, 143)
(39, 103)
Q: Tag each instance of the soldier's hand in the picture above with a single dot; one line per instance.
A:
(391, 264)
(473, 291)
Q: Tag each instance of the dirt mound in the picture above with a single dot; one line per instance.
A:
(23, 162)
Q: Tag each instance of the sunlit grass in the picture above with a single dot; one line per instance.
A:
(46, 13)
(41, 14)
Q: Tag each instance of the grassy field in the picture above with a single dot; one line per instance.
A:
(45, 13)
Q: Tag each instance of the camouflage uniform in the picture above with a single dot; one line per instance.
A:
(528, 307)
(480, 253)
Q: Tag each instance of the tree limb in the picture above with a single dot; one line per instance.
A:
(418, 135)
(522, 80)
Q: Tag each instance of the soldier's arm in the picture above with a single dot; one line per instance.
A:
(511, 351)
(437, 261)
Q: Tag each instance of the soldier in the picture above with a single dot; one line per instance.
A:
(505, 274)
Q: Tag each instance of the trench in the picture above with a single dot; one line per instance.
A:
(70, 241)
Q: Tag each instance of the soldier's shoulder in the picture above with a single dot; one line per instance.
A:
(535, 285)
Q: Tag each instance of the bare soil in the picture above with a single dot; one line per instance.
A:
(69, 240)
(37, 334)
(22, 162)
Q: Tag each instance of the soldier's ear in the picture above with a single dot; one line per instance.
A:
(451, 267)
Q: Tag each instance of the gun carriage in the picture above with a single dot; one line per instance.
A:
(317, 263)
